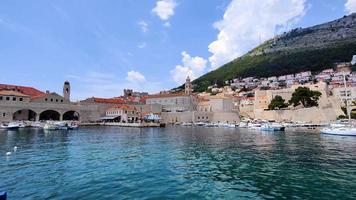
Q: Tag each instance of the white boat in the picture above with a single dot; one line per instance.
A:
(342, 128)
(13, 126)
(187, 124)
(200, 124)
(342, 131)
(243, 125)
(73, 126)
(55, 126)
(254, 125)
(272, 127)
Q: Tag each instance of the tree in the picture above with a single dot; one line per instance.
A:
(303, 95)
(277, 103)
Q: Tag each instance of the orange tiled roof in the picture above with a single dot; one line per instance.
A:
(163, 95)
(30, 91)
(12, 93)
(110, 101)
(123, 107)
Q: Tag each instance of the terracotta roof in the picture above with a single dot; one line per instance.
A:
(165, 95)
(123, 107)
(111, 101)
(12, 93)
(30, 91)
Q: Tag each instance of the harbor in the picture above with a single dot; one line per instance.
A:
(176, 162)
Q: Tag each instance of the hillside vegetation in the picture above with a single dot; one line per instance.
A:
(315, 48)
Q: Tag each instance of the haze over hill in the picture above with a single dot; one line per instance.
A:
(314, 48)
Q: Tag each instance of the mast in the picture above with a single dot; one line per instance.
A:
(347, 98)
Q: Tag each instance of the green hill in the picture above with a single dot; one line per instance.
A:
(315, 48)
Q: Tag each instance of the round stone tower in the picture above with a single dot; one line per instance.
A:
(66, 90)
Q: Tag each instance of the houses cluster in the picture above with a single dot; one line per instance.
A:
(334, 77)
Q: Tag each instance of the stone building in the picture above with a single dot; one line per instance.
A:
(28, 103)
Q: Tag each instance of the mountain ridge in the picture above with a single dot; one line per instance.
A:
(313, 48)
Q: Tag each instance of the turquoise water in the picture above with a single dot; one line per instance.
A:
(176, 163)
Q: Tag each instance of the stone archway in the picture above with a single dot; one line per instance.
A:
(71, 116)
(50, 115)
(24, 115)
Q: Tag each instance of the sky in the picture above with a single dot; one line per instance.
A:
(105, 46)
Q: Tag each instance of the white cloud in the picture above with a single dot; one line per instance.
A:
(351, 6)
(167, 24)
(247, 22)
(142, 45)
(164, 9)
(144, 26)
(134, 76)
(191, 66)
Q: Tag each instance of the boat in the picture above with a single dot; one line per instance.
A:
(50, 125)
(200, 124)
(13, 126)
(73, 126)
(254, 125)
(342, 128)
(243, 124)
(272, 127)
(342, 131)
(187, 124)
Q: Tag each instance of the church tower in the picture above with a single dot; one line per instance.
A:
(188, 86)
(66, 90)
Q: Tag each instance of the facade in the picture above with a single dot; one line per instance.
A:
(27, 103)
(123, 113)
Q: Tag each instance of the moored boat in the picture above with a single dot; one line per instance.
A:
(272, 127)
(342, 131)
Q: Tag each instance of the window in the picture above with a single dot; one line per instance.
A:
(46, 99)
(0, 98)
(7, 98)
(56, 100)
(14, 98)
(3, 114)
(62, 100)
(21, 99)
(51, 100)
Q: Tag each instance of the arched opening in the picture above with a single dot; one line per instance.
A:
(24, 115)
(71, 116)
(50, 115)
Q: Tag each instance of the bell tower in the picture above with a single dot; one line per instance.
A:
(188, 86)
(66, 90)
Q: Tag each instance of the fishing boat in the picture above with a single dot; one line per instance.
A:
(342, 129)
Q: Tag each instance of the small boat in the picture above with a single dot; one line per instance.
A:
(199, 124)
(73, 126)
(342, 131)
(13, 126)
(272, 127)
(243, 124)
(55, 126)
(254, 125)
(187, 124)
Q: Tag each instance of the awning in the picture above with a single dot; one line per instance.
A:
(108, 117)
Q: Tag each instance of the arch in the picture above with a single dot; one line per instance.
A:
(50, 115)
(24, 115)
(71, 115)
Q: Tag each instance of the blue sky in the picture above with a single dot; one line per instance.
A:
(104, 46)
